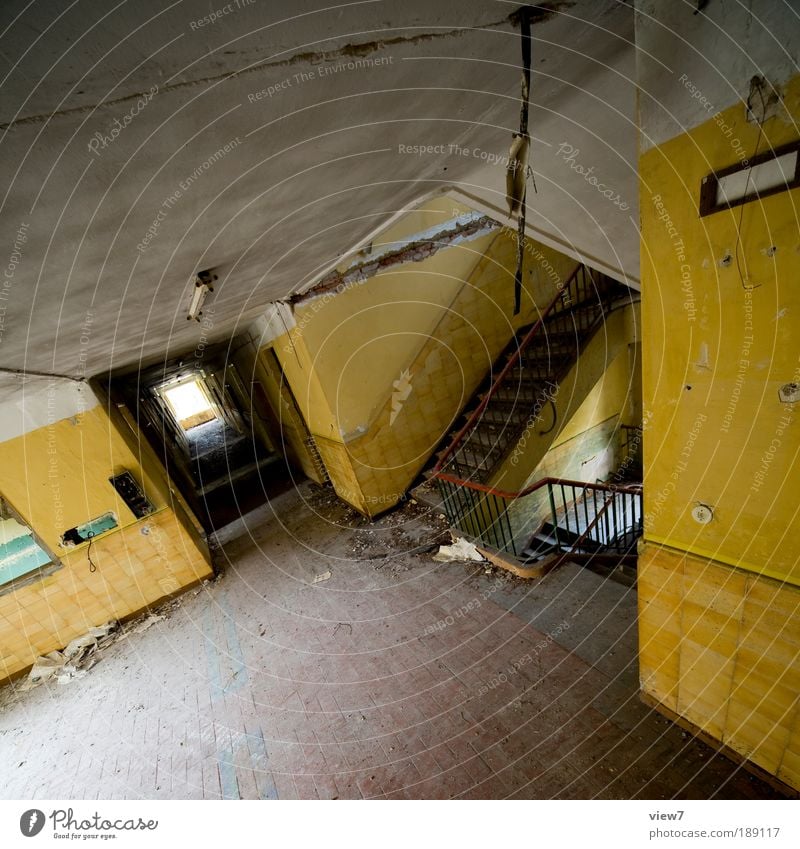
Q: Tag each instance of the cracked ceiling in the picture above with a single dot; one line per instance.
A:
(141, 144)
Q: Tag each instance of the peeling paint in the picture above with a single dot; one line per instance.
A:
(414, 251)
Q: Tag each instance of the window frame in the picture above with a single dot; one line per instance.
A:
(710, 183)
(8, 511)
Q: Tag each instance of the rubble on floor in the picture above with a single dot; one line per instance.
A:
(79, 656)
(74, 661)
(459, 551)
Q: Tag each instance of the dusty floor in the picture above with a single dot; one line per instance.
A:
(394, 677)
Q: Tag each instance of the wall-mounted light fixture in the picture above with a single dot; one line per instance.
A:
(202, 286)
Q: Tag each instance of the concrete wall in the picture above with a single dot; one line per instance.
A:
(381, 370)
(719, 634)
(56, 477)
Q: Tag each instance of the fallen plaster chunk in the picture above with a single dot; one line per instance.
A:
(74, 661)
(43, 670)
(461, 549)
(318, 579)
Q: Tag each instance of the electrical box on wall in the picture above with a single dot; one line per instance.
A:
(85, 532)
(131, 493)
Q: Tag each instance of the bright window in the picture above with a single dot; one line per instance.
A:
(190, 404)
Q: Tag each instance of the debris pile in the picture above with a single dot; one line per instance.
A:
(459, 551)
(74, 661)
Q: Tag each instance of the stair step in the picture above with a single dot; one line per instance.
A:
(540, 545)
(491, 429)
(479, 456)
(497, 415)
(529, 382)
(532, 555)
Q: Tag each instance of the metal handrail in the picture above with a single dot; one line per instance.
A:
(600, 514)
(492, 515)
(509, 366)
(510, 496)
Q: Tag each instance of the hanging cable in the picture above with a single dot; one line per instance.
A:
(755, 84)
(517, 170)
(92, 566)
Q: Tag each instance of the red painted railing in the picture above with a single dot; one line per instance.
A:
(566, 298)
(502, 493)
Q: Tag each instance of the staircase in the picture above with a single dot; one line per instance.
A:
(553, 520)
(536, 360)
(595, 524)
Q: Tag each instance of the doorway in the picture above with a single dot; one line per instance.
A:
(215, 446)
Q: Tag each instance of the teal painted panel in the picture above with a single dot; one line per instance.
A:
(98, 526)
(19, 557)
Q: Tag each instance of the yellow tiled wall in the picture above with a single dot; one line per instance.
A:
(454, 314)
(721, 315)
(134, 569)
(721, 647)
(719, 617)
(56, 477)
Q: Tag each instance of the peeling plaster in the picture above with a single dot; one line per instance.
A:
(465, 228)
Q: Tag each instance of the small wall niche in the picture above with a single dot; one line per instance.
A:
(131, 493)
(93, 528)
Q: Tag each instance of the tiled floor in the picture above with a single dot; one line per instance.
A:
(394, 677)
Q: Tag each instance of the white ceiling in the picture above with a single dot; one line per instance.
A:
(317, 165)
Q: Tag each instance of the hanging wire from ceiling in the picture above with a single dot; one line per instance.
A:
(518, 170)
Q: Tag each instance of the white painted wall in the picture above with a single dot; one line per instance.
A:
(691, 66)
(35, 402)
